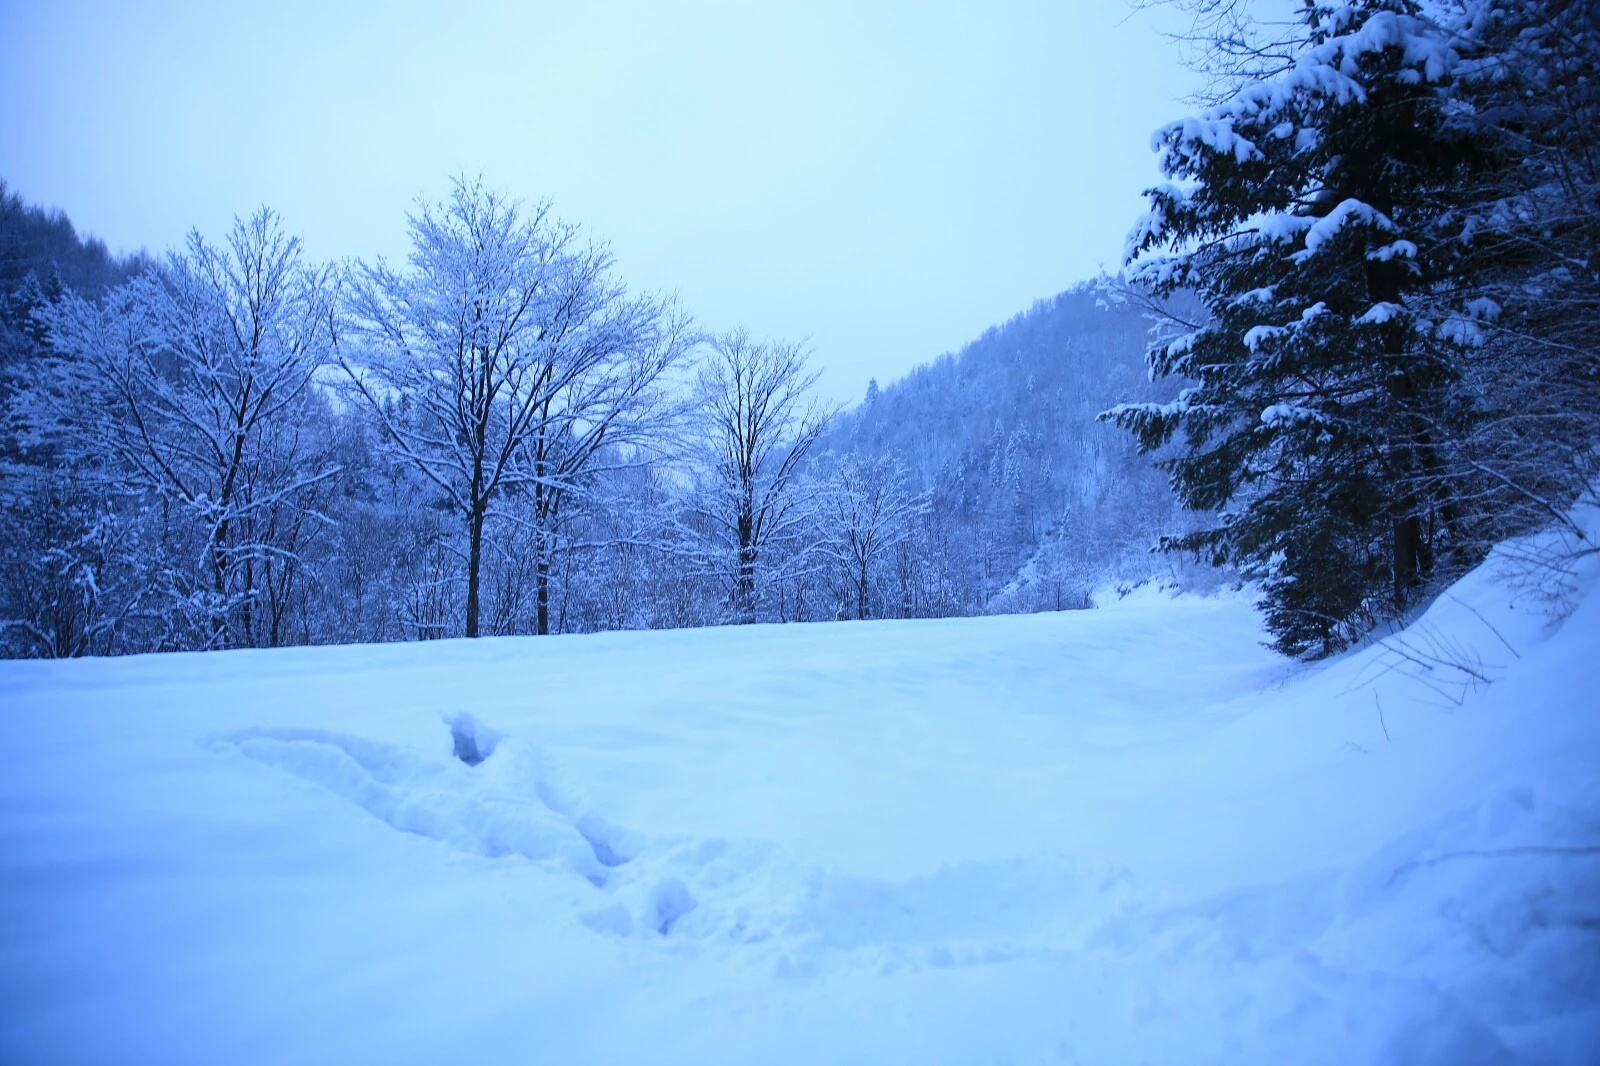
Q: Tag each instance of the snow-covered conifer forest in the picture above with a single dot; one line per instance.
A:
(1196, 667)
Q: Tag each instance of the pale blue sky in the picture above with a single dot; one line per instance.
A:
(885, 179)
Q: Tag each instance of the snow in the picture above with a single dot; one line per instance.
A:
(1462, 332)
(1401, 249)
(1281, 227)
(1122, 835)
(1326, 229)
(1216, 134)
(1484, 309)
(1381, 312)
(1288, 414)
(1264, 295)
(1256, 336)
(1325, 76)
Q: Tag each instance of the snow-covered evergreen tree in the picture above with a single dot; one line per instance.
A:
(1307, 213)
(1392, 235)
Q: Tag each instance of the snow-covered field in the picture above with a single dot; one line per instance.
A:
(1123, 835)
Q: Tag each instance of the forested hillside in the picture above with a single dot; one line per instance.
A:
(1032, 501)
(41, 257)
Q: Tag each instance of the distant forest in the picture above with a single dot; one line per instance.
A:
(233, 447)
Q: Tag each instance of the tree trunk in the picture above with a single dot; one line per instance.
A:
(746, 591)
(1405, 523)
(745, 585)
(474, 563)
(541, 588)
(249, 623)
(1384, 283)
(861, 593)
(219, 583)
(1407, 558)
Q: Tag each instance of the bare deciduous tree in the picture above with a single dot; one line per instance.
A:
(608, 416)
(503, 360)
(868, 510)
(193, 383)
(758, 421)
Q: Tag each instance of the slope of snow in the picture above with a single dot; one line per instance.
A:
(1121, 835)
